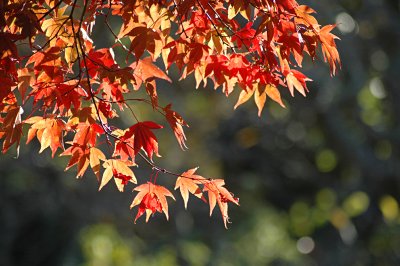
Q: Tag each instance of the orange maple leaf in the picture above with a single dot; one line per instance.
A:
(151, 199)
(260, 96)
(145, 70)
(297, 80)
(79, 156)
(176, 122)
(49, 132)
(83, 156)
(121, 172)
(218, 194)
(329, 49)
(187, 183)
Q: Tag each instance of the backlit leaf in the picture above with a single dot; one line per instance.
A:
(151, 199)
(187, 183)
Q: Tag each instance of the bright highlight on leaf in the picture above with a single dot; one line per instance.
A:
(67, 93)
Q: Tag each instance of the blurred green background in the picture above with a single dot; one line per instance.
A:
(318, 182)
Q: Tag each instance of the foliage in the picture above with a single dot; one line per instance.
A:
(68, 94)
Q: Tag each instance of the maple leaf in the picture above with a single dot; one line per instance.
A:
(187, 183)
(83, 156)
(11, 129)
(86, 134)
(244, 96)
(123, 148)
(218, 194)
(260, 96)
(25, 79)
(106, 109)
(328, 45)
(144, 39)
(297, 80)
(113, 91)
(99, 58)
(94, 160)
(66, 94)
(176, 122)
(49, 57)
(273, 93)
(79, 156)
(244, 36)
(48, 131)
(151, 90)
(151, 199)
(144, 137)
(238, 65)
(145, 70)
(200, 20)
(121, 172)
(261, 93)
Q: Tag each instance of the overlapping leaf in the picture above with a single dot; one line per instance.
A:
(121, 172)
(143, 137)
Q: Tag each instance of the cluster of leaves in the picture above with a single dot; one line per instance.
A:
(67, 93)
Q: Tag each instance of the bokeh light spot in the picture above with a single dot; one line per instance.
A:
(345, 22)
(326, 160)
(305, 245)
(377, 89)
(389, 208)
(339, 218)
(356, 203)
(379, 60)
(295, 131)
(247, 137)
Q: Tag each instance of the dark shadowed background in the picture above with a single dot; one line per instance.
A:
(318, 182)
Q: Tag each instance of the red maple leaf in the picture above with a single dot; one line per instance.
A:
(244, 36)
(144, 137)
